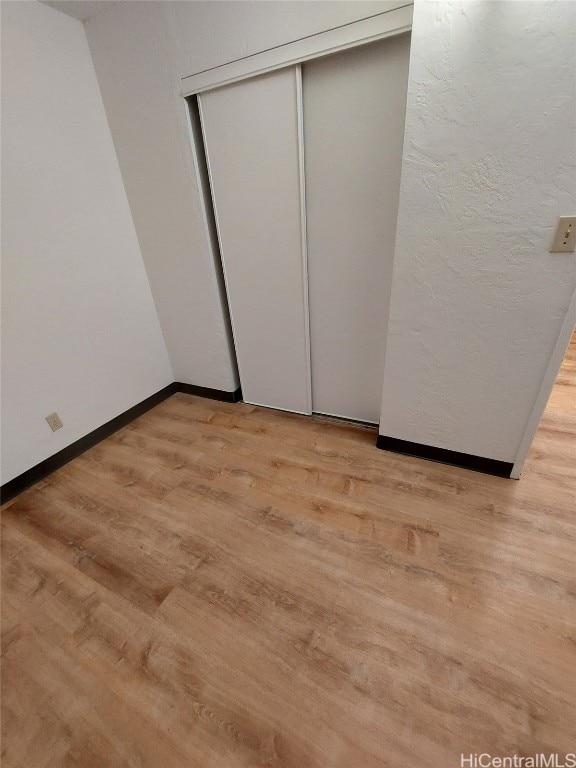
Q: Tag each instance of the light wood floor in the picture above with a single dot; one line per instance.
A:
(223, 585)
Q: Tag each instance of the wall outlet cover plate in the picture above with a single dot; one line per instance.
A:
(565, 236)
(54, 421)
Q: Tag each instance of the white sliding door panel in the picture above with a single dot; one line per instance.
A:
(354, 110)
(252, 131)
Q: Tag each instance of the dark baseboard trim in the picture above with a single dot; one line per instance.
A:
(213, 394)
(444, 456)
(52, 463)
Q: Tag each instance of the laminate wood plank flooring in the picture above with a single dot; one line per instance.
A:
(221, 585)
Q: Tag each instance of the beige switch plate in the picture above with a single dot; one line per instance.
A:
(54, 421)
(565, 236)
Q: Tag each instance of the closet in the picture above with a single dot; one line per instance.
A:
(304, 165)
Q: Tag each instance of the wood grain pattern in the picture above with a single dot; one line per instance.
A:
(222, 585)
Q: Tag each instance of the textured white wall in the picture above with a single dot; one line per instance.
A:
(488, 166)
(80, 334)
(140, 51)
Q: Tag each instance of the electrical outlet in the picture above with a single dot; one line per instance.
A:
(565, 236)
(54, 421)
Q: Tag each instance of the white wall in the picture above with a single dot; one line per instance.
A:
(489, 165)
(141, 50)
(80, 334)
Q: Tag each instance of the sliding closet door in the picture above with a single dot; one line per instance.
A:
(354, 108)
(252, 135)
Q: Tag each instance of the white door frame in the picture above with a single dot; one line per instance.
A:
(545, 390)
(395, 21)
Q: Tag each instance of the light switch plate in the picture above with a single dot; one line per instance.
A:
(54, 421)
(565, 235)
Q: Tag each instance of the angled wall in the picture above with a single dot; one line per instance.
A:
(80, 334)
